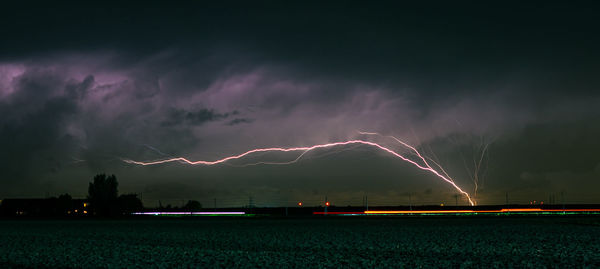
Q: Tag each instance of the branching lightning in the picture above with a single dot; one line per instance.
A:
(156, 150)
(301, 156)
(425, 167)
(424, 159)
(275, 163)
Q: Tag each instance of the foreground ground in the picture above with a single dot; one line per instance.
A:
(304, 243)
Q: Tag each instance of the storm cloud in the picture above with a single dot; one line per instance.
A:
(79, 98)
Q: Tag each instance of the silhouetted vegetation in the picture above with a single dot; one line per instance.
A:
(129, 203)
(102, 201)
(192, 205)
(103, 195)
(64, 204)
(105, 201)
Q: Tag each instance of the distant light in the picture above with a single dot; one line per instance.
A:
(326, 203)
(84, 211)
(85, 204)
(189, 213)
(503, 210)
(300, 204)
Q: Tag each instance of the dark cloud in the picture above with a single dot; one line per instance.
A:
(197, 117)
(239, 121)
(208, 80)
(32, 128)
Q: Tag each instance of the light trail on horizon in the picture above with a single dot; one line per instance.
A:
(306, 149)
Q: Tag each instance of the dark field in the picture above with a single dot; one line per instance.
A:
(304, 242)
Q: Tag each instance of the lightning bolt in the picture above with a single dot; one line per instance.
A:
(415, 151)
(274, 163)
(294, 160)
(156, 150)
(424, 159)
(306, 149)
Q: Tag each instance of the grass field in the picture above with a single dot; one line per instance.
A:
(304, 242)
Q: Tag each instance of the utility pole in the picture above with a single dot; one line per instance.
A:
(250, 202)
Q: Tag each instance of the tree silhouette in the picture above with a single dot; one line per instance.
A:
(129, 203)
(192, 205)
(64, 204)
(102, 194)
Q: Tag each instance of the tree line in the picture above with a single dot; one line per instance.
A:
(103, 200)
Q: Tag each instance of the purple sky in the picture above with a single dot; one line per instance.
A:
(71, 110)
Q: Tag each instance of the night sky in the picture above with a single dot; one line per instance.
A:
(83, 87)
